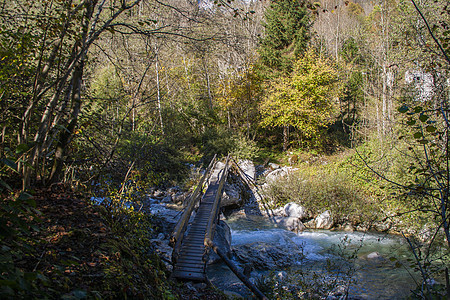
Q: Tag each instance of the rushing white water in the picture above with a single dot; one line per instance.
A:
(375, 263)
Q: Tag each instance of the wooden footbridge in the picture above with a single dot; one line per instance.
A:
(193, 236)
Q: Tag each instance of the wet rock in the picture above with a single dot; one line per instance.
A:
(290, 223)
(264, 256)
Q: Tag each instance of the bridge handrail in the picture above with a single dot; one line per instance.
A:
(178, 232)
(210, 229)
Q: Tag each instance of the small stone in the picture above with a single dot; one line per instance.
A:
(273, 166)
(373, 255)
(167, 199)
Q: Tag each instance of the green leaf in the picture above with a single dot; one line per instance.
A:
(418, 135)
(423, 118)
(11, 164)
(430, 128)
(423, 142)
(417, 109)
(24, 196)
(411, 122)
(403, 109)
(22, 148)
(4, 184)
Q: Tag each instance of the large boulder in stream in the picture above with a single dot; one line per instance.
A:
(290, 223)
(265, 256)
(222, 239)
(322, 221)
(290, 216)
(235, 192)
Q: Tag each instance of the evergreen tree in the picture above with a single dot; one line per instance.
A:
(286, 34)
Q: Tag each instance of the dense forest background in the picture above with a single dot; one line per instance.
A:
(95, 93)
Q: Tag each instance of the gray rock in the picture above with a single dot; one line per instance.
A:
(374, 255)
(165, 218)
(290, 223)
(248, 168)
(381, 226)
(231, 196)
(200, 286)
(273, 166)
(179, 197)
(348, 227)
(264, 256)
(279, 174)
(324, 220)
(167, 199)
(233, 295)
(279, 212)
(158, 194)
(362, 227)
(295, 210)
(173, 190)
(164, 251)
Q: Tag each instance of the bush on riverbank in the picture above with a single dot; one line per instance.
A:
(321, 187)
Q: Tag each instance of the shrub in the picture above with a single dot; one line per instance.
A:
(319, 188)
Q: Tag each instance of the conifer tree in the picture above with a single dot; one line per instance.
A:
(286, 34)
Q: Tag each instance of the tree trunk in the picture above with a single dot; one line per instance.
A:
(66, 134)
(285, 137)
(158, 92)
(208, 86)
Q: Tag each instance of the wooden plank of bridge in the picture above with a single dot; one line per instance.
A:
(190, 264)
